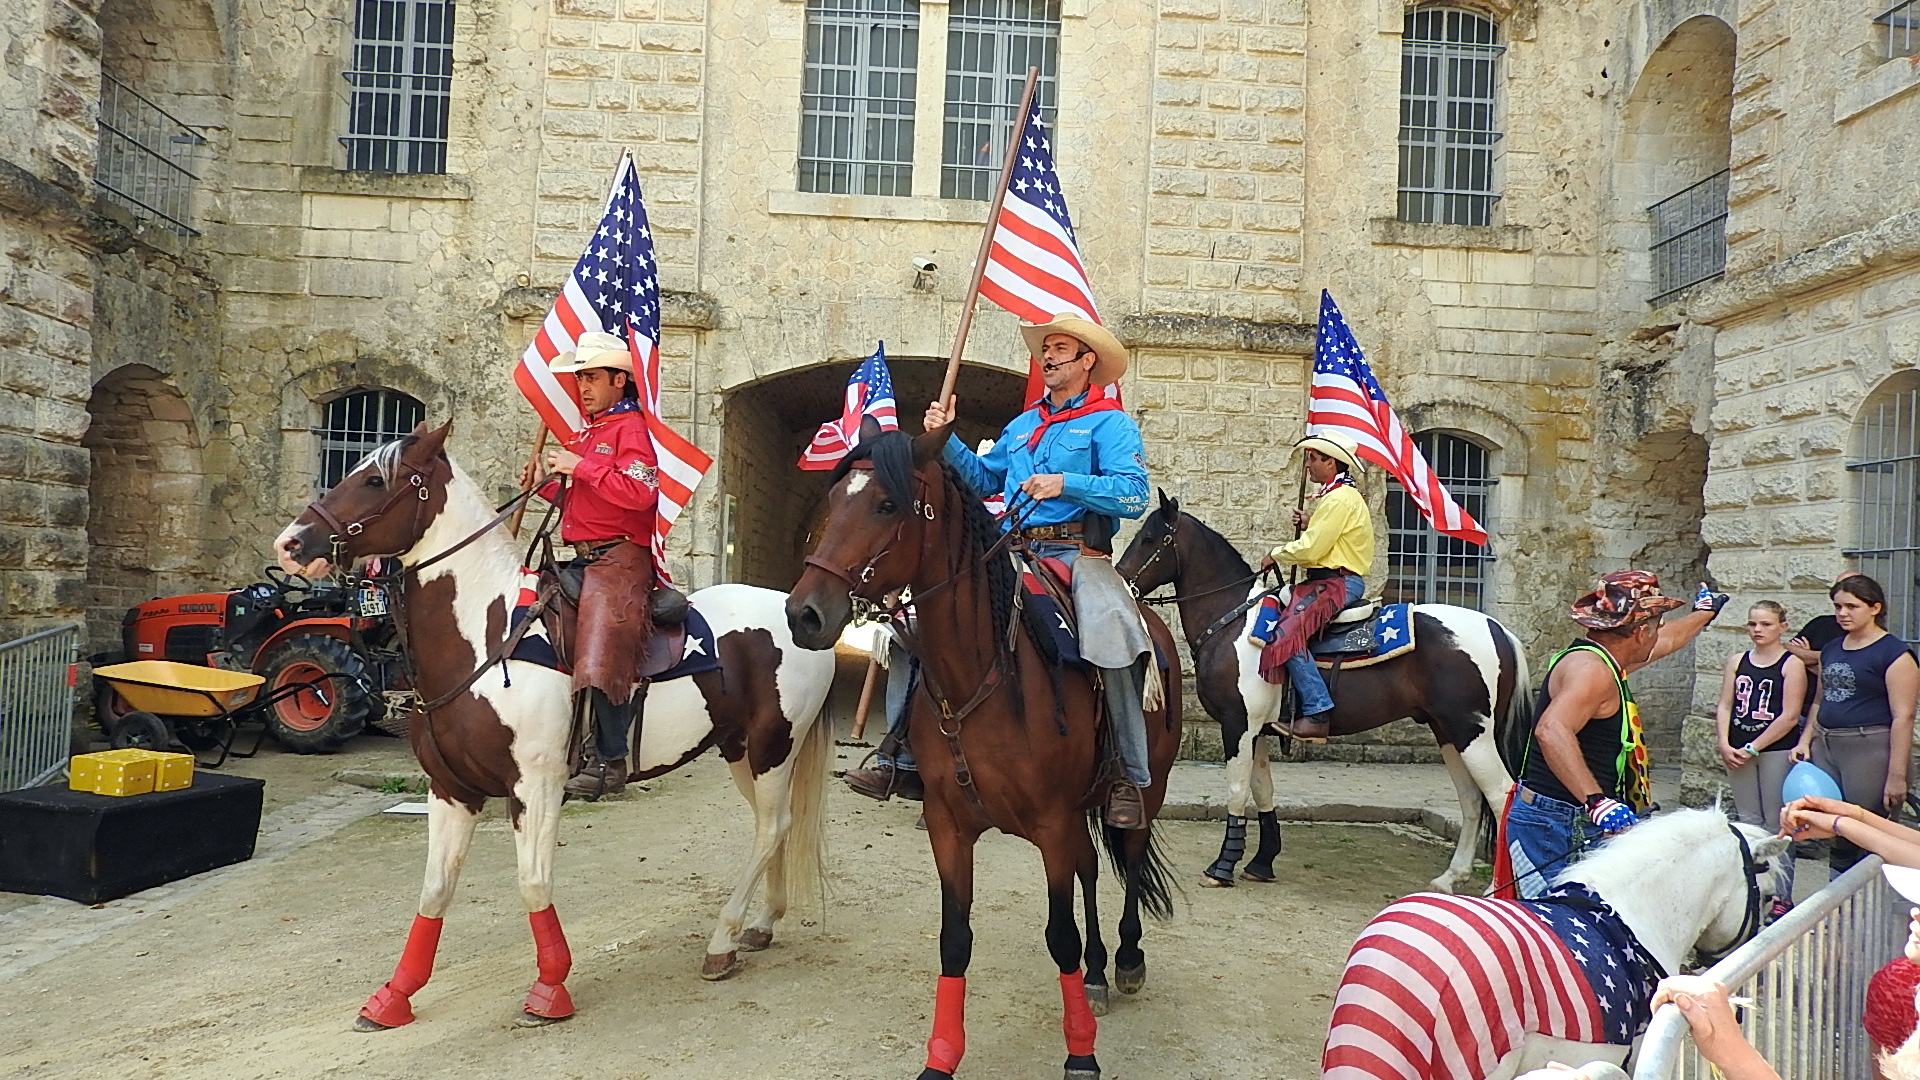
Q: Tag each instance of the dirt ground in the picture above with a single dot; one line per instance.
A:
(260, 974)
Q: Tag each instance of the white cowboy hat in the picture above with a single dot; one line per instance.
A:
(594, 350)
(1110, 357)
(1904, 879)
(1336, 446)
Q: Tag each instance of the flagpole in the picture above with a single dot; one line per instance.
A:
(533, 473)
(986, 240)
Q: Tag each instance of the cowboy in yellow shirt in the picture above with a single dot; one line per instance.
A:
(1335, 546)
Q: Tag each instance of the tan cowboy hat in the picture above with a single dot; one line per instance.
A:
(1336, 446)
(1110, 357)
(594, 350)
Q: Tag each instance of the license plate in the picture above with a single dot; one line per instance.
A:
(373, 601)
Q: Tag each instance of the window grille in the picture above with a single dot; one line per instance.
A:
(402, 81)
(1901, 24)
(358, 424)
(147, 158)
(1449, 118)
(1888, 530)
(1689, 237)
(856, 104)
(1429, 567)
(990, 46)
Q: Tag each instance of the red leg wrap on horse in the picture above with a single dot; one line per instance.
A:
(389, 1006)
(555, 958)
(949, 1040)
(1079, 1023)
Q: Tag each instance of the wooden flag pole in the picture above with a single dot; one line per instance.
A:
(866, 693)
(519, 512)
(986, 240)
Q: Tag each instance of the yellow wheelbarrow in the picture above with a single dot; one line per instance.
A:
(199, 707)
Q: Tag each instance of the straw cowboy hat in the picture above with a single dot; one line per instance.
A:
(1623, 600)
(1336, 446)
(1110, 357)
(594, 350)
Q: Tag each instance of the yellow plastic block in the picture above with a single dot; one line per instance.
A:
(171, 771)
(113, 772)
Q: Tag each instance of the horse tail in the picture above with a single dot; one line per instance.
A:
(1143, 872)
(806, 841)
(1514, 728)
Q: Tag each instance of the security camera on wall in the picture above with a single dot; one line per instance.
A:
(923, 269)
(924, 265)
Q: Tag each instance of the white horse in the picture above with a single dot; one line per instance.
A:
(507, 734)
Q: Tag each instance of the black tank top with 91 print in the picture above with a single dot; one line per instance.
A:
(1756, 702)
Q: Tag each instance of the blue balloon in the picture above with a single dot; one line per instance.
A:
(1805, 779)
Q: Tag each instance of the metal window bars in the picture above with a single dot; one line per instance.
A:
(1689, 237)
(147, 158)
(358, 424)
(990, 46)
(1888, 524)
(857, 98)
(36, 705)
(1449, 117)
(1425, 566)
(401, 82)
(1901, 24)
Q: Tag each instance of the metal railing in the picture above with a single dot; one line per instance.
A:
(1807, 975)
(1689, 237)
(36, 705)
(1902, 23)
(146, 158)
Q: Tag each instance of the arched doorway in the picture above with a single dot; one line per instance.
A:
(770, 503)
(148, 528)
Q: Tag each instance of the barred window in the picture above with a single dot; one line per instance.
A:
(1887, 462)
(1449, 117)
(401, 80)
(856, 104)
(990, 46)
(1900, 29)
(356, 425)
(1428, 567)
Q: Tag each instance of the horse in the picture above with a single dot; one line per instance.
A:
(494, 728)
(1442, 987)
(1003, 737)
(1467, 671)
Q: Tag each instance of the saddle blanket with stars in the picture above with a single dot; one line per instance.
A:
(1442, 987)
(1385, 636)
(698, 653)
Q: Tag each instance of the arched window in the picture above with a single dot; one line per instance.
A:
(1887, 462)
(1425, 566)
(1449, 119)
(356, 424)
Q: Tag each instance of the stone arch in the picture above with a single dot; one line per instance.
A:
(148, 525)
(303, 406)
(769, 506)
(172, 51)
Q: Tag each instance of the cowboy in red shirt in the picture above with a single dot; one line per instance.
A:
(607, 516)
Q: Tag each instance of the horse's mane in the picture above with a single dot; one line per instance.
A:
(1668, 836)
(385, 459)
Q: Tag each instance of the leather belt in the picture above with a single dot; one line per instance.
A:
(589, 549)
(1071, 530)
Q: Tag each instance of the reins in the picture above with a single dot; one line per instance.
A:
(1169, 542)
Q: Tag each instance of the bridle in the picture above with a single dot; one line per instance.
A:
(859, 577)
(416, 486)
(1750, 921)
(1170, 542)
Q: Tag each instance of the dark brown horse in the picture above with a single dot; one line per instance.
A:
(506, 734)
(1004, 738)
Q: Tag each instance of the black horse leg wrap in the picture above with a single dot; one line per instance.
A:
(1269, 845)
(1231, 850)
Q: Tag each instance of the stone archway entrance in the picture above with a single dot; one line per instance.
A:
(771, 504)
(148, 527)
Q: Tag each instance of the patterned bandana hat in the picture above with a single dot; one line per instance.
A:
(1622, 600)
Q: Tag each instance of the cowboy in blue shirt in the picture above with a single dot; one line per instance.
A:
(1075, 453)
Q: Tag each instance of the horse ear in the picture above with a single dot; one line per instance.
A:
(930, 446)
(432, 442)
(1169, 505)
(869, 428)
(1771, 846)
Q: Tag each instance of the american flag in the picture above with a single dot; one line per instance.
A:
(1442, 987)
(1033, 267)
(1347, 398)
(869, 393)
(615, 288)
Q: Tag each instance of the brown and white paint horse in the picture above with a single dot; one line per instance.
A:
(506, 735)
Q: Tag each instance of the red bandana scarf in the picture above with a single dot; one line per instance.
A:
(1097, 401)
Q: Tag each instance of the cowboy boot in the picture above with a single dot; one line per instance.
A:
(598, 778)
(884, 780)
(1125, 809)
(1314, 728)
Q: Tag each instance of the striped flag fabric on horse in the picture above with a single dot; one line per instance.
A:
(869, 393)
(1347, 398)
(1442, 987)
(615, 288)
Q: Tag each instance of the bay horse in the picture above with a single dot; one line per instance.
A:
(1443, 987)
(507, 732)
(1004, 739)
(1466, 673)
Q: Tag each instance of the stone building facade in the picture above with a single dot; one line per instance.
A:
(1225, 160)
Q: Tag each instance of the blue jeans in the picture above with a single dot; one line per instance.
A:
(902, 666)
(1543, 838)
(1305, 676)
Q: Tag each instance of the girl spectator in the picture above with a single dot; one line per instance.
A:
(1758, 719)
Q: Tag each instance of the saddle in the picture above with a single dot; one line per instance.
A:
(668, 607)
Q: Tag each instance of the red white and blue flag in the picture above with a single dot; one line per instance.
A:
(869, 393)
(615, 288)
(1347, 398)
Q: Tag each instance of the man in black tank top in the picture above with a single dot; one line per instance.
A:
(1583, 766)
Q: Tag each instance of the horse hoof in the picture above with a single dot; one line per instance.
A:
(531, 1020)
(719, 966)
(1130, 980)
(546, 1003)
(1081, 1068)
(1208, 881)
(755, 940)
(1097, 999)
(363, 1022)
(1254, 875)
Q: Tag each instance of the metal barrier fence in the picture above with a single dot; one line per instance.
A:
(36, 705)
(1807, 975)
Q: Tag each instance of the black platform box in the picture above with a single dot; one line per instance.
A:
(91, 848)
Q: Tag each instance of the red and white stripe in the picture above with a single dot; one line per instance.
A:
(681, 463)
(1033, 267)
(1337, 403)
(1442, 987)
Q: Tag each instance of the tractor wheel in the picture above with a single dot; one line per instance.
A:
(306, 722)
(108, 707)
(140, 731)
